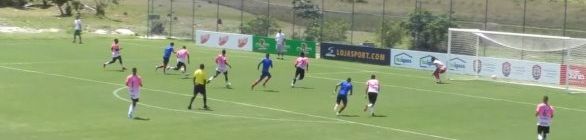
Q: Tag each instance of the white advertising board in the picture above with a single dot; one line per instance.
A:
(415, 59)
(539, 72)
(223, 40)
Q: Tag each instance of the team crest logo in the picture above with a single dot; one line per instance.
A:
(477, 65)
(204, 38)
(223, 40)
(506, 69)
(242, 42)
(402, 59)
(536, 72)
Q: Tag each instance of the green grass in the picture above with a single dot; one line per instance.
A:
(53, 89)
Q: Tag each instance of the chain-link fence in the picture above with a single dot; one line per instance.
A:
(363, 19)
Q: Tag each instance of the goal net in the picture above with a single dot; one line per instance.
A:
(552, 61)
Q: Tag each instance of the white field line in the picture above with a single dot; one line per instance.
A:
(115, 93)
(287, 111)
(462, 95)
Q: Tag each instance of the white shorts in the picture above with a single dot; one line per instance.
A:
(134, 94)
(221, 70)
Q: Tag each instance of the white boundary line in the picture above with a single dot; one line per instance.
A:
(115, 93)
(287, 111)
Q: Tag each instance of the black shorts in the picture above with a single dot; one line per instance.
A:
(77, 32)
(265, 74)
(342, 98)
(372, 97)
(300, 72)
(542, 129)
(180, 64)
(165, 61)
(199, 89)
(134, 100)
(119, 58)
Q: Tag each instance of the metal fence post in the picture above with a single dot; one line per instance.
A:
(524, 22)
(565, 17)
(193, 20)
(294, 21)
(450, 13)
(323, 17)
(352, 23)
(241, 16)
(268, 16)
(218, 16)
(171, 19)
(382, 32)
(486, 15)
(147, 33)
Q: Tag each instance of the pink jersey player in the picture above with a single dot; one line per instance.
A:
(182, 55)
(302, 62)
(221, 61)
(373, 86)
(544, 114)
(134, 82)
(372, 91)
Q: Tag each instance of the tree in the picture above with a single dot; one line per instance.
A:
(305, 9)
(260, 26)
(392, 33)
(60, 4)
(101, 6)
(427, 31)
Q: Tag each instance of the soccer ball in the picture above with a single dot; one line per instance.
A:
(493, 77)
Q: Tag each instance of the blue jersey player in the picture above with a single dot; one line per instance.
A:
(166, 56)
(267, 63)
(342, 98)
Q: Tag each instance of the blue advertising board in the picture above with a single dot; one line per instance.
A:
(355, 53)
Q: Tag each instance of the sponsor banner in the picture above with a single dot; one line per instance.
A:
(415, 59)
(576, 75)
(355, 53)
(223, 40)
(292, 47)
(539, 72)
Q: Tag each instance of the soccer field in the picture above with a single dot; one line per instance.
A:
(51, 89)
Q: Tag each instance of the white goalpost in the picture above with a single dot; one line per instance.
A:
(541, 60)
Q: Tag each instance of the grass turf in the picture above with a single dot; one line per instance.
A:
(53, 89)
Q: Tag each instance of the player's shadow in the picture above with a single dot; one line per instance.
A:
(379, 116)
(270, 90)
(115, 70)
(349, 116)
(305, 87)
(442, 83)
(205, 109)
(141, 119)
(172, 74)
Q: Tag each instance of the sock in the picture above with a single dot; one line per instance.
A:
(294, 81)
(336, 107)
(130, 110)
(539, 137)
